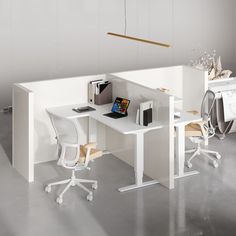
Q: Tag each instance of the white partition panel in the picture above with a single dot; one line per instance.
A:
(51, 93)
(23, 128)
(184, 82)
(159, 144)
(167, 77)
(195, 84)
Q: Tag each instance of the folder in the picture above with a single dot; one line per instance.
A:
(105, 95)
(148, 115)
(92, 90)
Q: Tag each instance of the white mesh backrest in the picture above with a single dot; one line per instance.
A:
(208, 103)
(66, 132)
(65, 129)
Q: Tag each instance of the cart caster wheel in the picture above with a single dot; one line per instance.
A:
(90, 197)
(59, 200)
(95, 186)
(189, 165)
(215, 164)
(218, 156)
(48, 189)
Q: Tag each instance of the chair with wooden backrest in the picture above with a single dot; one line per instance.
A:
(72, 155)
(199, 132)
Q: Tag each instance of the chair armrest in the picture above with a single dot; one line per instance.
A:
(90, 145)
(68, 144)
(194, 112)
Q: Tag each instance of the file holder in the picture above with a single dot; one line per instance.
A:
(105, 96)
(147, 117)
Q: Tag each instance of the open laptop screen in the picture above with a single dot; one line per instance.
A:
(120, 105)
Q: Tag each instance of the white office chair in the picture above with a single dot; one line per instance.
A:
(72, 155)
(199, 132)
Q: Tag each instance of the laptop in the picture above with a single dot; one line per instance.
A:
(119, 108)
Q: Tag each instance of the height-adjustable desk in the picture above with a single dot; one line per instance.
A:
(125, 125)
(33, 135)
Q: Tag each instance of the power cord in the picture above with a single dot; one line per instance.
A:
(6, 110)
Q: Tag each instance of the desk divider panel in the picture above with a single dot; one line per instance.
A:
(23, 128)
(195, 84)
(54, 93)
(42, 142)
(184, 82)
(170, 78)
(159, 144)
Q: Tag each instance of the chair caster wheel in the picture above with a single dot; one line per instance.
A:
(218, 156)
(90, 197)
(215, 164)
(48, 189)
(95, 186)
(189, 165)
(59, 200)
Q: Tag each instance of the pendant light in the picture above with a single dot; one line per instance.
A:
(125, 36)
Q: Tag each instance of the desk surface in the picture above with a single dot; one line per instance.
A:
(186, 118)
(124, 125)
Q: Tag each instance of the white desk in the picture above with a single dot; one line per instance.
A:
(127, 125)
(185, 118)
(124, 125)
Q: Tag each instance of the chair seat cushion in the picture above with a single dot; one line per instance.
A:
(94, 153)
(193, 130)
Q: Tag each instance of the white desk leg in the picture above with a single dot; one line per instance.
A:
(180, 149)
(139, 159)
(180, 153)
(138, 166)
(92, 130)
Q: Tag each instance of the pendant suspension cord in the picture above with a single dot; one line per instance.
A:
(173, 32)
(149, 21)
(125, 17)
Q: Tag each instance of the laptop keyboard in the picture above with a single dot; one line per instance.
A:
(114, 115)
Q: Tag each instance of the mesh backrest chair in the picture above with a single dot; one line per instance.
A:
(199, 132)
(72, 155)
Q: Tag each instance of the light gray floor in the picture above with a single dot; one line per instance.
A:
(200, 205)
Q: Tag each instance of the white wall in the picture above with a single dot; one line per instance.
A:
(41, 39)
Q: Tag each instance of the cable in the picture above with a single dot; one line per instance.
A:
(173, 33)
(125, 17)
(6, 110)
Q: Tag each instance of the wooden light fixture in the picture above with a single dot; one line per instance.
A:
(125, 36)
(139, 39)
